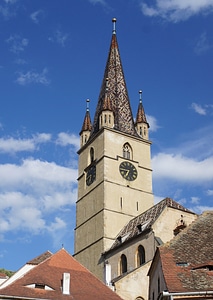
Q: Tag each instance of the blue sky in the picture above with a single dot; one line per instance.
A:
(53, 55)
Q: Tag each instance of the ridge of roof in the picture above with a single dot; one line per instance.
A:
(146, 220)
(114, 83)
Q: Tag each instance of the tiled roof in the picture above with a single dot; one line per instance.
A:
(83, 284)
(144, 221)
(117, 93)
(37, 260)
(187, 260)
(87, 124)
(141, 117)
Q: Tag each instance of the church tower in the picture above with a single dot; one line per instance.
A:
(114, 173)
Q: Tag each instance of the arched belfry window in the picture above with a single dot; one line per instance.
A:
(92, 154)
(127, 151)
(140, 256)
(123, 264)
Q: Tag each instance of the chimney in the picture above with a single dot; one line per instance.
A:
(107, 273)
(66, 284)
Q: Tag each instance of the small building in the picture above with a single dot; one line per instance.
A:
(55, 276)
(183, 267)
(128, 261)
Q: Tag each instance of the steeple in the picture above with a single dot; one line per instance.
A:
(86, 127)
(141, 123)
(117, 92)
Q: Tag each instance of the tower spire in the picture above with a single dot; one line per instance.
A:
(117, 92)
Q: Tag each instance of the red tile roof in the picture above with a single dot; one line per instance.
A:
(187, 260)
(83, 284)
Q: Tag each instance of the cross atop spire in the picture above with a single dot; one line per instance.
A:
(114, 22)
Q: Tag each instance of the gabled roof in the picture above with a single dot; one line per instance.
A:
(144, 221)
(45, 281)
(187, 260)
(117, 92)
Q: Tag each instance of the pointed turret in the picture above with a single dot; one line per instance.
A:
(106, 116)
(117, 94)
(141, 123)
(86, 127)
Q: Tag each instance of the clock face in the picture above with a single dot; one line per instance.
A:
(91, 175)
(128, 171)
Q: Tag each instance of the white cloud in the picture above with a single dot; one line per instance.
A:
(198, 109)
(210, 192)
(34, 195)
(12, 145)
(17, 43)
(10, 1)
(6, 9)
(195, 200)
(201, 208)
(20, 61)
(59, 37)
(33, 77)
(203, 44)
(182, 169)
(65, 139)
(152, 123)
(177, 10)
(103, 2)
(36, 15)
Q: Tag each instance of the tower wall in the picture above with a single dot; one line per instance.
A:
(105, 206)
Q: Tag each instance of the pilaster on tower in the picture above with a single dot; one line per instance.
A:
(142, 126)
(86, 127)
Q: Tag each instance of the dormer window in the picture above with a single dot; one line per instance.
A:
(39, 286)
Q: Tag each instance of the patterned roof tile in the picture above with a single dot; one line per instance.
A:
(146, 220)
(117, 93)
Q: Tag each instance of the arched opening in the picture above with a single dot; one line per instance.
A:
(140, 256)
(92, 155)
(127, 151)
(123, 264)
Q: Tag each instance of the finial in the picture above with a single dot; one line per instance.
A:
(140, 93)
(114, 21)
(107, 84)
(87, 101)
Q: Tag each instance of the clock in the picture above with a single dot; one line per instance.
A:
(128, 171)
(91, 175)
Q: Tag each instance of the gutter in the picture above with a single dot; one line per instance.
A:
(172, 295)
